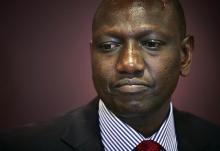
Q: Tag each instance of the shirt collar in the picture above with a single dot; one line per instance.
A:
(117, 135)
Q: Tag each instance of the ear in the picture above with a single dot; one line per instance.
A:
(186, 55)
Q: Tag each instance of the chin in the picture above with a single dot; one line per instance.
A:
(134, 107)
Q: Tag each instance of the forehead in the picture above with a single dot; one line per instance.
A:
(132, 15)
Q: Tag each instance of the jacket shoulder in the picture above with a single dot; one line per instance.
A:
(42, 135)
(195, 131)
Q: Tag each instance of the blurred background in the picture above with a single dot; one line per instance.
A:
(45, 60)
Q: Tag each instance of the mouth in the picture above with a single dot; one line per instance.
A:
(131, 86)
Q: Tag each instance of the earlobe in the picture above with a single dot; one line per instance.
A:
(186, 55)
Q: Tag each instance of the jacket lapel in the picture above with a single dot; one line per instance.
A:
(182, 138)
(83, 133)
(183, 128)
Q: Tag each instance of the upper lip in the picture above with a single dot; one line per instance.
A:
(133, 81)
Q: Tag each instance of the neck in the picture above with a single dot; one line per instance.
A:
(150, 122)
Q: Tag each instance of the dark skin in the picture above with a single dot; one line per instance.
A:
(138, 54)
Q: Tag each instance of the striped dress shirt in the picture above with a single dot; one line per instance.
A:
(119, 136)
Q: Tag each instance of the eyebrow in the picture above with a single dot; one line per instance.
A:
(142, 31)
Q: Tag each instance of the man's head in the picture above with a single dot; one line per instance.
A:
(139, 49)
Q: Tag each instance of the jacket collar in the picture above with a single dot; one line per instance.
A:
(83, 132)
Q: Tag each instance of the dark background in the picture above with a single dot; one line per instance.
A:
(45, 60)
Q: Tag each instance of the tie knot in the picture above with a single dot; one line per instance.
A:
(148, 145)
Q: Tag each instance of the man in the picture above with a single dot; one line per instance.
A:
(139, 49)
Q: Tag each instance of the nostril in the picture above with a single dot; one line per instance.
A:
(130, 68)
(136, 73)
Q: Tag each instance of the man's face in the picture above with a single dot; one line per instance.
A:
(136, 58)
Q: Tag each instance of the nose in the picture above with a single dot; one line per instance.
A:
(130, 60)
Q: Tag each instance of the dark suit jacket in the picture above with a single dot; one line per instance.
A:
(79, 131)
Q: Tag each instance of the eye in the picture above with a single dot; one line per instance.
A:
(109, 46)
(151, 44)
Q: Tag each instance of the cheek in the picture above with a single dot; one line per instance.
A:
(103, 70)
(166, 72)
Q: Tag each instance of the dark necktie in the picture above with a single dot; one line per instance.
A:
(148, 145)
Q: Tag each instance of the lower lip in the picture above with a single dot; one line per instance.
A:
(132, 88)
